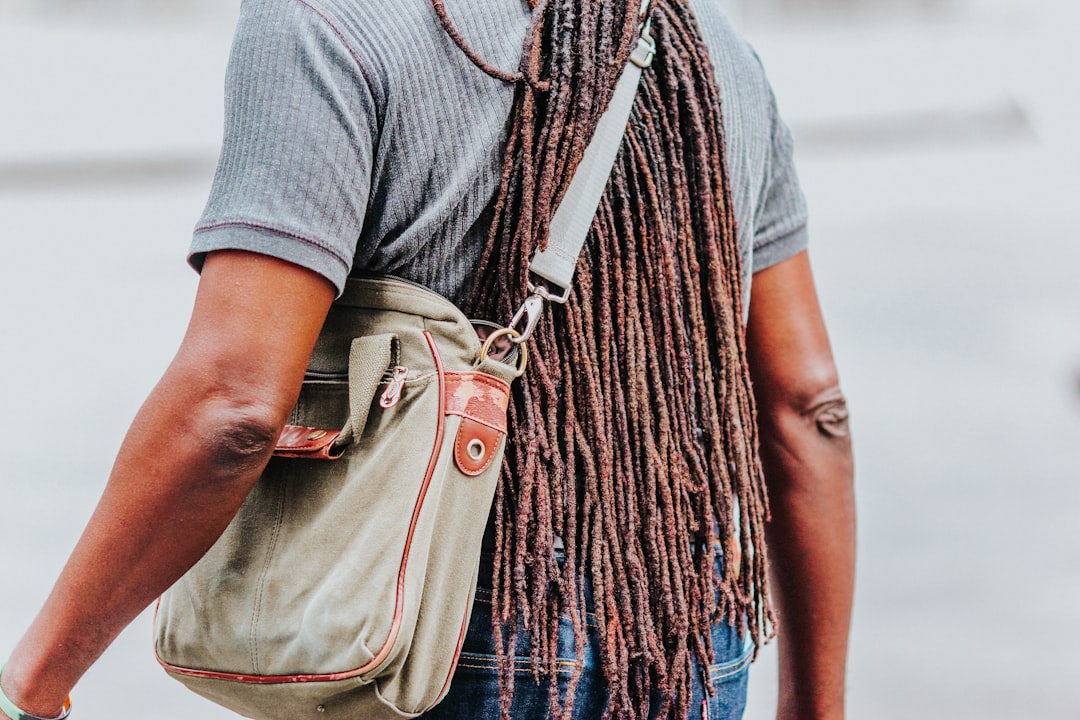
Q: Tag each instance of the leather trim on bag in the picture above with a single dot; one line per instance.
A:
(473, 435)
(297, 441)
(481, 401)
(478, 396)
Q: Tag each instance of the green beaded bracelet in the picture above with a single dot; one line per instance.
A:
(15, 713)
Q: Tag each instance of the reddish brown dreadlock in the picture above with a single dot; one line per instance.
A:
(633, 432)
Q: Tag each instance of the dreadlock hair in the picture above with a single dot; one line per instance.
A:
(633, 433)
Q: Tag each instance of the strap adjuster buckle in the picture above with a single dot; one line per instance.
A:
(646, 48)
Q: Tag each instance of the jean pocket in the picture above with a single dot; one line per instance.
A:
(474, 689)
(729, 673)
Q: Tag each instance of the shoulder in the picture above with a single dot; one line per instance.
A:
(739, 73)
(769, 201)
(410, 33)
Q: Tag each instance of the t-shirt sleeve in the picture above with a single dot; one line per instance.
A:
(294, 173)
(781, 214)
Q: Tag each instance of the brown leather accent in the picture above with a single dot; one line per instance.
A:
(481, 400)
(468, 434)
(433, 461)
(478, 396)
(311, 443)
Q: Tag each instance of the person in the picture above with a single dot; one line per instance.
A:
(627, 572)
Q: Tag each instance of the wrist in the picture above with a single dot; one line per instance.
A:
(810, 714)
(12, 707)
(810, 708)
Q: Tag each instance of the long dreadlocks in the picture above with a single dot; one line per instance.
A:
(633, 432)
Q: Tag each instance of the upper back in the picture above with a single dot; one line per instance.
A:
(390, 148)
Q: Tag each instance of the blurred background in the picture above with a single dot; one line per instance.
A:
(938, 148)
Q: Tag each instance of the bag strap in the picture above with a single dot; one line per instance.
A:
(553, 267)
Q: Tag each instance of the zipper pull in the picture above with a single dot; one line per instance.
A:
(392, 393)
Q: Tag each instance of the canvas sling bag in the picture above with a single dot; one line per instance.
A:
(343, 586)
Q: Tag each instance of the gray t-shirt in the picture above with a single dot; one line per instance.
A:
(358, 136)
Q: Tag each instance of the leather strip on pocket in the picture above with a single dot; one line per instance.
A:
(296, 441)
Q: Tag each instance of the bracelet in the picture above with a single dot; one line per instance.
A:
(14, 712)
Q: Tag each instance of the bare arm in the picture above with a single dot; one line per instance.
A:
(192, 454)
(806, 452)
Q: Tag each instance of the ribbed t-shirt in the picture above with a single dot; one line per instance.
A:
(358, 137)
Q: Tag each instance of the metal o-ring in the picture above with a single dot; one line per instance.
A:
(523, 358)
(476, 449)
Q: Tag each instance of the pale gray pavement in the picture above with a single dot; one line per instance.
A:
(939, 155)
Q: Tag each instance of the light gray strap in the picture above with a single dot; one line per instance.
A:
(572, 219)
(554, 266)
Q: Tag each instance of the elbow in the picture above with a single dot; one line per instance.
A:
(805, 444)
(810, 400)
(238, 439)
(826, 411)
(818, 409)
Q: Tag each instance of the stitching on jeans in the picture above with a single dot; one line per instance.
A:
(522, 665)
(527, 672)
(484, 596)
(519, 663)
(725, 670)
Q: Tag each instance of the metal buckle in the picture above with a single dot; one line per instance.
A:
(546, 293)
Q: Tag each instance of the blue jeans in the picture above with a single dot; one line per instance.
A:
(474, 691)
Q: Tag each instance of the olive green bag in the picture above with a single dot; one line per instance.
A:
(343, 587)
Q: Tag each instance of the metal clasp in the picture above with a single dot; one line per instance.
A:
(530, 311)
(643, 54)
(533, 307)
(523, 355)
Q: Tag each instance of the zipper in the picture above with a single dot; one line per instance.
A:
(325, 375)
(392, 393)
(396, 278)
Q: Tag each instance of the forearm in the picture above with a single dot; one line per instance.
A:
(192, 454)
(806, 453)
(185, 466)
(807, 459)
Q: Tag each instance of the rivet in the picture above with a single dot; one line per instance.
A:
(316, 436)
(476, 449)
